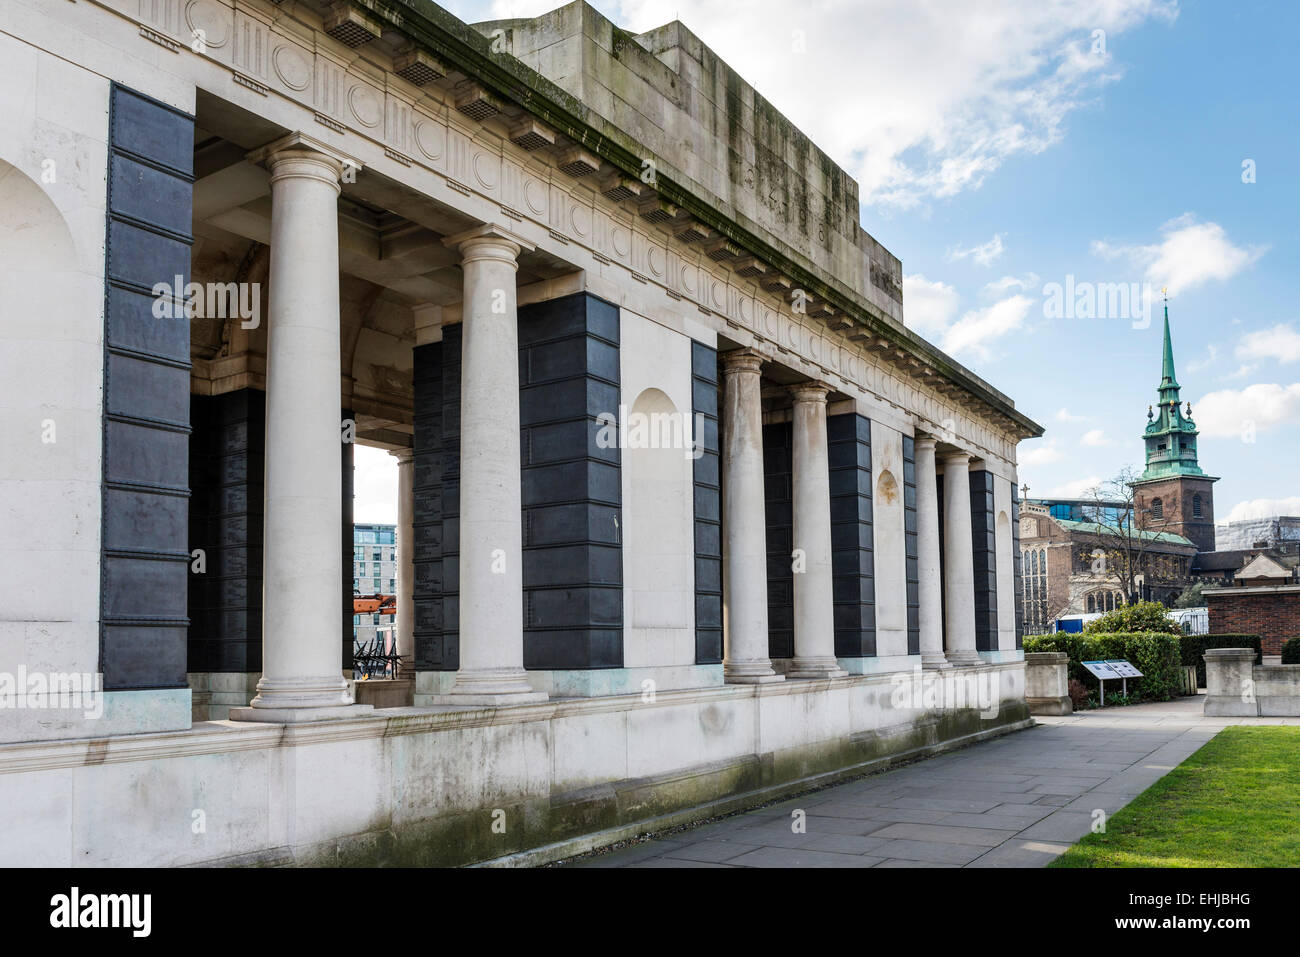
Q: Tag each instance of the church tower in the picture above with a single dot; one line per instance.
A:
(1173, 493)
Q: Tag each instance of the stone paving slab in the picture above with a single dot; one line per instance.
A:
(1016, 801)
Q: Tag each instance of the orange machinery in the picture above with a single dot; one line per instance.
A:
(374, 604)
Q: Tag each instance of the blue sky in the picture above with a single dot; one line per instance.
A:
(1003, 146)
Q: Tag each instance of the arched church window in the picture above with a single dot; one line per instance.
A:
(1157, 508)
(1092, 604)
(1196, 505)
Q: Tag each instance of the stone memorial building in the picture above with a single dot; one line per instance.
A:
(688, 518)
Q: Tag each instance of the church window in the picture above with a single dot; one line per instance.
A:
(1157, 508)
(1196, 506)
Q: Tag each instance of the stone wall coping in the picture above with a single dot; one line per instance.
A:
(1251, 590)
(1234, 653)
(1046, 657)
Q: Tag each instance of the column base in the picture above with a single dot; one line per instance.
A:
(961, 659)
(495, 687)
(753, 672)
(301, 715)
(815, 668)
(313, 693)
(935, 662)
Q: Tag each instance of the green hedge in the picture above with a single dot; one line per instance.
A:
(1291, 651)
(1155, 654)
(1194, 647)
(1142, 616)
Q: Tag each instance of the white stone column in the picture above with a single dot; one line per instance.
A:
(958, 562)
(404, 623)
(302, 673)
(814, 600)
(744, 525)
(491, 519)
(929, 576)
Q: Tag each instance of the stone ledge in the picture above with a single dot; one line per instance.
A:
(219, 736)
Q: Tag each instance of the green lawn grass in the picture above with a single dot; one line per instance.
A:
(1234, 803)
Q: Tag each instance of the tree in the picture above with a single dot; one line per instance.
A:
(1191, 596)
(1138, 617)
(1125, 531)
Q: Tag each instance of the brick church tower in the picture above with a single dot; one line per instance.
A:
(1174, 494)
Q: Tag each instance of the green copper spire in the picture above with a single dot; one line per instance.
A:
(1170, 435)
(1167, 377)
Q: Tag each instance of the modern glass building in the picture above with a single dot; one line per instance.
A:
(374, 573)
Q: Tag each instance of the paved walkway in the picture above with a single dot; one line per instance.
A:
(1015, 801)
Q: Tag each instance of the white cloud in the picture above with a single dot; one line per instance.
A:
(1095, 438)
(1237, 412)
(1188, 254)
(1211, 356)
(986, 254)
(1264, 508)
(1076, 488)
(999, 287)
(976, 330)
(928, 307)
(1065, 415)
(1282, 343)
(1044, 454)
(927, 99)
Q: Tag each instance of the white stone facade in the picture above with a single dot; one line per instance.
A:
(378, 215)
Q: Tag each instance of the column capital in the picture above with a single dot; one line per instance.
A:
(924, 440)
(403, 456)
(812, 391)
(489, 241)
(741, 360)
(298, 154)
(956, 458)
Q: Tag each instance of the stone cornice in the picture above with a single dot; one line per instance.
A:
(1252, 590)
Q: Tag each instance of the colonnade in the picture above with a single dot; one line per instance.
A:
(302, 679)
